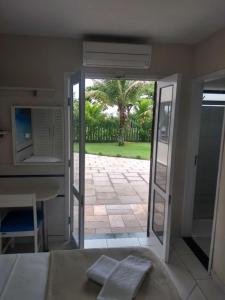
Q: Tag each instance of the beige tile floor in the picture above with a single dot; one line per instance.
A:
(116, 195)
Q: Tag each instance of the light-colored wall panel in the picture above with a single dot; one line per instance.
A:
(208, 159)
(208, 57)
(209, 54)
(43, 62)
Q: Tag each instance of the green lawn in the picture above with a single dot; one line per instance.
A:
(132, 150)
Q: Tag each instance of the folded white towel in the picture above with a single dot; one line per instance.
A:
(102, 269)
(125, 279)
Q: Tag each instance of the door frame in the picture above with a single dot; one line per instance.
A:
(192, 152)
(78, 76)
(99, 73)
(169, 192)
(117, 75)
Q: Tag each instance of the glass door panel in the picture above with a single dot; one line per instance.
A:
(77, 157)
(76, 232)
(158, 216)
(76, 127)
(163, 136)
(162, 162)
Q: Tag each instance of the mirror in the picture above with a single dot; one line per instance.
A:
(37, 134)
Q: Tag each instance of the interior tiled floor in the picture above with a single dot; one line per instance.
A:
(187, 273)
(116, 194)
(201, 233)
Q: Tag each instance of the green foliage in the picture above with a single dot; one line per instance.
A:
(143, 112)
(125, 94)
(147, 89)
(134, 103)
(94, 113)
(142, 118)
(132, 150)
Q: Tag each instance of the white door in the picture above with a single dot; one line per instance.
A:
(162, 162)
(77, 157)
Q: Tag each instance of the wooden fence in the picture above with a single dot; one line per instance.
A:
(107, 134)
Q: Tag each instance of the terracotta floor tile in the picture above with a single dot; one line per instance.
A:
(90, 192)
(116, 194)
(97, 218)
(100, 210)
(130, 199)
(103, 230)
(89, 210)
(130, 221)
(116, 221)
(89, 231)
(119, 229)
(95, 225)
(107, 201)
(119, 211)
(101, 183)
(116, 176)
(90, 200)
(110, 195)
(102, 174)
(118, 180)
(126, 229)
(129, 178)
(123, 209)
(100, 178)
(142, 219)
(137, 208)
(133, 174)
(104, 189)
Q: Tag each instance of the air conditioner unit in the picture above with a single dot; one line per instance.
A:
(116, 55)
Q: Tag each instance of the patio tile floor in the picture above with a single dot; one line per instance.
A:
(116, 195)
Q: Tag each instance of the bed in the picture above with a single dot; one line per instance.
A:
(61, 275)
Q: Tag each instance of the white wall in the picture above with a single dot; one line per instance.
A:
(42, 62)
(37, 63)
(208, 57)
(208, 159)
(219, 248)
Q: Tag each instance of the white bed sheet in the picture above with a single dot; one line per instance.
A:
(28, 276)
(23, 276)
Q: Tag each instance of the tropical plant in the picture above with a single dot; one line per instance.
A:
(143, 112)
(94, 112)
(122, 93)
(142, 117)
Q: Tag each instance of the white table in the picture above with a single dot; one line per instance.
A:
(44, 191)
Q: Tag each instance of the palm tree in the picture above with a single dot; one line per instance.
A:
(123, 93)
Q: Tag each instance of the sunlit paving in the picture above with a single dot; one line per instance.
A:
(116, 195)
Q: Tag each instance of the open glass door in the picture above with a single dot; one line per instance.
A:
(77, 157)
(162, 163)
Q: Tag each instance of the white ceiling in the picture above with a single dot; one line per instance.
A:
(182, 21)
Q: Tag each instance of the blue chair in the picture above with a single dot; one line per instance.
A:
(22, 220)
